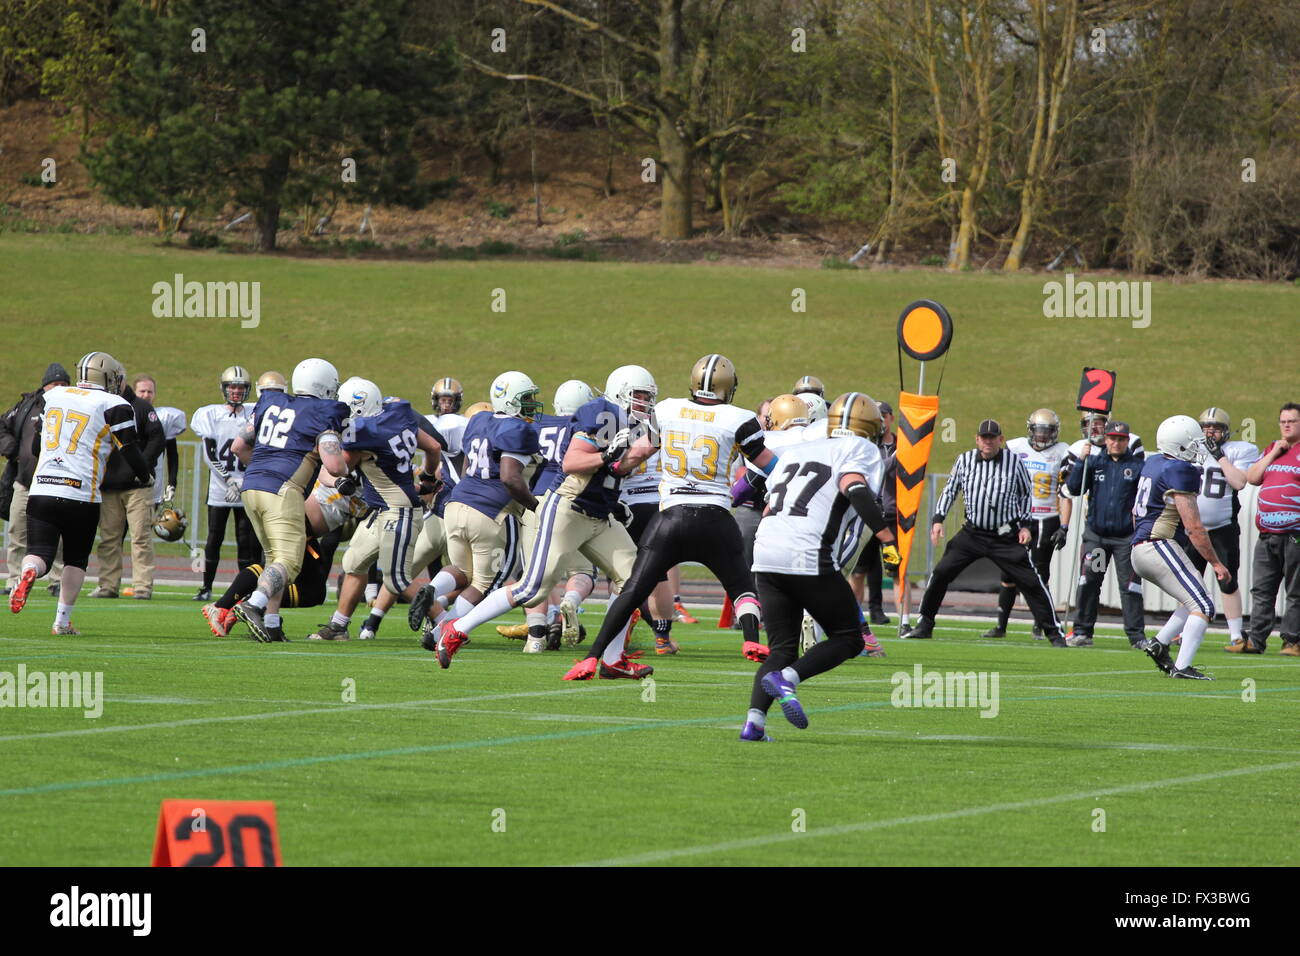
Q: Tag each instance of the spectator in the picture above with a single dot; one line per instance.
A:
(867, 576)
(128, 503)
(1277, 552)
(173, 422)
(1111, 483)
(18, 430)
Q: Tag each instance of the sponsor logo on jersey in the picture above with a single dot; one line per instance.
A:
(53, 480)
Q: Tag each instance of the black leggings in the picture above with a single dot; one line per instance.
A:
(249, 549)
(51, 520)
(829, 599)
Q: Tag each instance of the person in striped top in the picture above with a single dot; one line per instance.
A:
(996, 488)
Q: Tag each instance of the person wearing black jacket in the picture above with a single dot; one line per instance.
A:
(128, 503)
(17, 429)
(1111, 483)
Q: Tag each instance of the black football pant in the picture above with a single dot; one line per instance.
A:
(1012, 558)
(869, 563)
(248, 548)
(52, 520)
(703, 533)
(1040, 550)
(829, 599)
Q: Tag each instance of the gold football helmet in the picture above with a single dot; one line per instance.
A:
(1044, 428)
(100, 368)
(478, 407)
(854, 413)
(1216, 418)
(714, 379)
(170, 524)
(449, 388)
(786, 411)
(271, 382)
(809, 383)
(236, 376)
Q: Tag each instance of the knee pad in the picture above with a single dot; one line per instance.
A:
(747, 603)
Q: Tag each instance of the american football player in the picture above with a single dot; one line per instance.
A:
(270, 381)
(65, 492)
(445, 397)
(218, 426)
(1167, 519)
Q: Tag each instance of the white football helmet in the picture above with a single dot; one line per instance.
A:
(362, 396)
(1181, 437)
(816, 406)
(571, 396)
(514, 394)
(316, 377)
(623, 384)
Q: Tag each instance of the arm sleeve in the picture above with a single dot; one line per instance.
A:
(866, 505)
(950, 490)
(214, 461)
(1024, 491)
(173, 462)
(749, 437)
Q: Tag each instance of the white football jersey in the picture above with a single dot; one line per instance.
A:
(699, 445)
(786, 437)
(172, 421)
(804, 529)
(1217, 497)
(1044, 469)
(643, 484)
(222, 424)
(451, 427)
(80, 428)
(817, 430)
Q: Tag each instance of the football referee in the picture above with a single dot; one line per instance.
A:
(995, 486)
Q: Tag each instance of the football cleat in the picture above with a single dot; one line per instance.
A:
(1158, 654)
(1291, 649)
(220, 620)
(205, 594)
(1037, 633)
(252, 616)
(276, 635)
(569, 622)
(664, 644)
(516, 632)
(418, 612)
(367, 633)
(754, 733)
(60, 629)
(684, 615)
(19, 596)
(102, 592)
(755, 651)
(584, 669)
(450, 641)
(870, 646)
(1189, 673)
(554, 634)
(534, 645)
(625, 668)
(782, 691)
(922, 630)
(1079, 640)
(582, 634)
(807, 634)
(1058, 640)
(329, 631)
(877, 616)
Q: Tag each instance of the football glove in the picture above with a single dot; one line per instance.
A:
(1214, 449)
(169, 493)
(890, 557)
(1059, 537)
(346, 486)
(232, 489)
(617, 446)
(621, 513)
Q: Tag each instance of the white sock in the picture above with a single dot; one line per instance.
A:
(372, 592)
(63, 615)
(1193, 634)
(1173, 627)
(904, 620)
(258, 600)
(757, 718)
(536, 619)
(462, 606)
(446, 615)
(574, 597)
(444, 582)
(552, 612)
(1234, 628)
(378, 612)
(32, 561)
(494, 605)
(342, 620)
(790, 674)
(272, 620)
(614, 653)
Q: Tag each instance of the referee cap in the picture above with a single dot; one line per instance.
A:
(989, 428)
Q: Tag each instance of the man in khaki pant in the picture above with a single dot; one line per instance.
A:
(127, 505)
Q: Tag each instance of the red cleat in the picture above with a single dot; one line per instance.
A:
(584, 669)
(666, 645)
(684, 615)
(625, 668)
(24, 588)
(449, 642)
(755, 651)
(220, 620)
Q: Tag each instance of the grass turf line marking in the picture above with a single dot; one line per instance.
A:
(866, 826)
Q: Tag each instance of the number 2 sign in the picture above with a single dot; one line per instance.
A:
(1096, 390)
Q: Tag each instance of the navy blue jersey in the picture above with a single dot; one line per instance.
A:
(285, 431)
(449, 479)
(486, 439)
(553, 438)
(595, 424)
(1155, 515)
(390, 439)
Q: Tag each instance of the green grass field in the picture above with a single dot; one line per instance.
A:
(416, 769)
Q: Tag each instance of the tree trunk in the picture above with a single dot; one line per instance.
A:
(267, 214)
(676, 153)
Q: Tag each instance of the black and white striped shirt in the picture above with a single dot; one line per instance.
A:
(996, 492)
